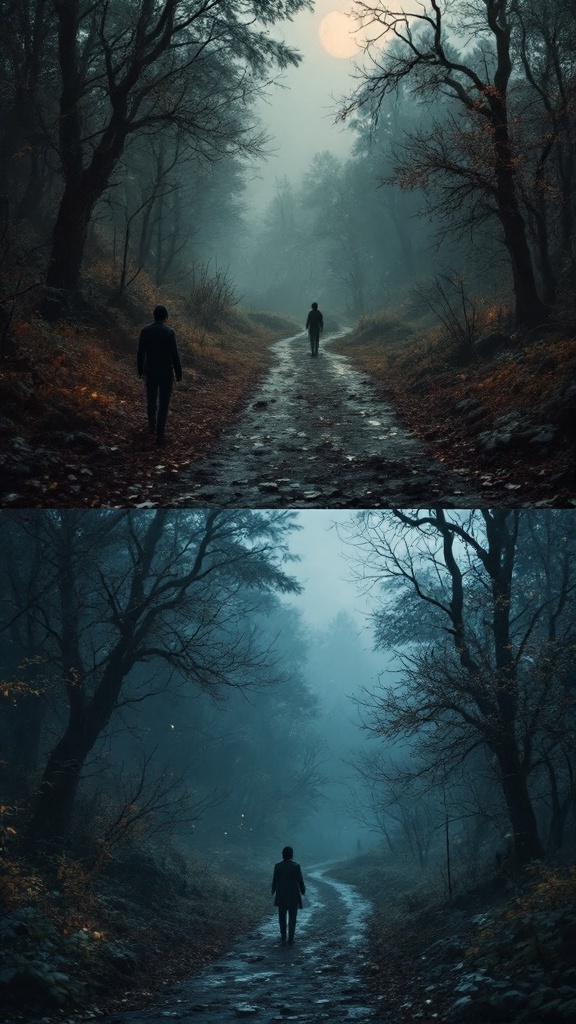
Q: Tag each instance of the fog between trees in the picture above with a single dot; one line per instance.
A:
(462, 164)
(157, 682)
(127, 128)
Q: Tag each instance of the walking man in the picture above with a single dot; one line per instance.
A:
(288, 885)
(158, 361)
(314, 326)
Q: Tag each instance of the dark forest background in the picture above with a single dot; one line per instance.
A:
(444, 242)
(127, 127)
(169, 720)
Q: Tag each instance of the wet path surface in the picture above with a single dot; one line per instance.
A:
(318, 434)
(313, 981)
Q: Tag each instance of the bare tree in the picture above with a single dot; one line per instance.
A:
(142, 66)
(144, 801)
(170, 592)
(28, 63)
(547, 48)
(487, 666)
(26, 674)
(448, 299)
(411, 44)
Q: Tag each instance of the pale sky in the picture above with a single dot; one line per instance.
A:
(323, 570)
(301, 114)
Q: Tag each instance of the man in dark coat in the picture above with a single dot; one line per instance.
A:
(159, 362)
(288, 885)
(314, 325)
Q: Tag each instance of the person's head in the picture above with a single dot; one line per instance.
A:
(287, 852)
(314, 305)
(160, 313)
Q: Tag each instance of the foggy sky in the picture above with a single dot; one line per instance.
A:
(324, 571)
(300, 115)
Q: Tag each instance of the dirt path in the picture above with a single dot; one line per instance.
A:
(313, 981)
(317, 434)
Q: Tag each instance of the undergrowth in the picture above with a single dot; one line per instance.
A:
(448, 397)
(71, 388)
(411, 354)
(72, 937)
(431, 957)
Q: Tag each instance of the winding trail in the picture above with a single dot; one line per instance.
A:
(314, 981)
(318, 434)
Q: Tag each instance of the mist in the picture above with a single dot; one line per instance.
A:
(244, 733)
(273, 682)
(383, 695)
(288, 162)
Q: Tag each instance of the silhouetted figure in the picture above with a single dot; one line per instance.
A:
(288, 884)
(314, 326)
(159, 362)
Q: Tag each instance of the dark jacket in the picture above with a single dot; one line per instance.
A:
(157, 351)
(315, 321)
(288, 884)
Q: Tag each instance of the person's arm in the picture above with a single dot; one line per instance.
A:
(175, 357)
(274, 880)
(308, 321)
(301, 881)
(321, 323)
(141, 357)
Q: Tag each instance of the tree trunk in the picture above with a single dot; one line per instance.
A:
(69, 238)
(529, 309)
(54, 804)
(544, 262)
(527, 844)
(55, 799)
(31, 205)
(565, 164)
(85, 182)
(560, 805)
(159, 240)
(146, 233)
(25, 754)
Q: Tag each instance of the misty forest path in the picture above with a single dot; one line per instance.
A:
(318, 434)
(314, 981)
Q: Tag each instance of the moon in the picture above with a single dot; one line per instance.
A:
(336, 36)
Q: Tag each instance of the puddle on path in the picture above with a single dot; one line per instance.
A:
(317, 434)
(315, 981)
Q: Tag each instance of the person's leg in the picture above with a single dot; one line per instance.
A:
(282, 911)
(151, 400)
(311, 336)
(165, 390)
(292, 914)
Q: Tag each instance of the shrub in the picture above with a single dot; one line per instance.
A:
(212, 295)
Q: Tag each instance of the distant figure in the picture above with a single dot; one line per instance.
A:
(314, 326)
(289, 887)
(159, 362)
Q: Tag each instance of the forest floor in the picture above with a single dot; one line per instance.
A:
(317, 979)
(73, 426)
(388, 415)
(76, 942)
(318, 434)
(501, 949)
(374, 945)
(505, 420)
